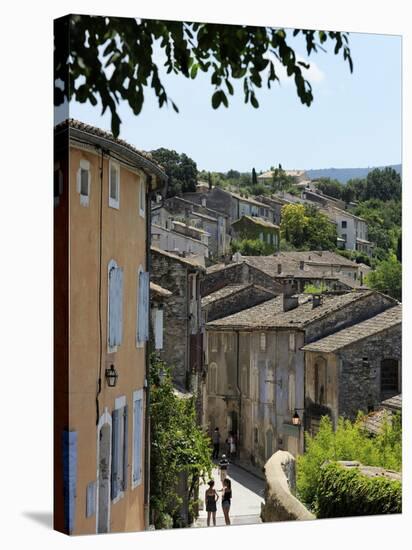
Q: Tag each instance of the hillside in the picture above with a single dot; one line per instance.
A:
(345, 174)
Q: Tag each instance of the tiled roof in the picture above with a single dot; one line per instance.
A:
(318, 257)
(159, 290)
(187, 261)
(246, 199)
(73, 124)
(229, 290)
(257, 221)
(383, 321)
(393, 403)
(190, 227)
(271, 315)
(289, 267)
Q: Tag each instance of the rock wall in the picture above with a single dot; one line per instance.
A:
(280, 502)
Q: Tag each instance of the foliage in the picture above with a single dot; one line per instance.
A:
(382, 184)
(355, 256)
(349, 442)
(110, 58)
(387, 277)
(254, 178)
(330, 187)
(313, 289)
(281, 181)
(304, 226)
(342, 492)
(181, 170)
(178, 446)
(252, 247)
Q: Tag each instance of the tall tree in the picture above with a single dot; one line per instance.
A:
(387, 277)
(181, 169)
(254, 177)
(111, 58)
(305, 227)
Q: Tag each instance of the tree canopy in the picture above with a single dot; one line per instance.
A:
(112, 58)
(181, 170)
(304, 226)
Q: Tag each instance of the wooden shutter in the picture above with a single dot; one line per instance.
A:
(137, 440)
(69, 478)
(115, 453)
(125, 446)
(115, 306)
(159, 328)
(143, 307)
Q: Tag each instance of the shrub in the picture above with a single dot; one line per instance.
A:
(349, 442)
(347, 492)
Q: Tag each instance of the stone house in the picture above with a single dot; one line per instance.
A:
(234, 205)
(352, 230)
(256, 369)
(177, 242)
(276, 205)
(354, 369)
(103, 188)
(198, 215)
(248, 227)
(183, 339)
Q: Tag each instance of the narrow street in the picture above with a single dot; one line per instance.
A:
(247, 491)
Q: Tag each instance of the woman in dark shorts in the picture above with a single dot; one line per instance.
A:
(226, 498)
(211, 497)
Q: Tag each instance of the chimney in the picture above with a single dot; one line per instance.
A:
(301, 264)
(290, 302)
(316, 300)
(279, 269)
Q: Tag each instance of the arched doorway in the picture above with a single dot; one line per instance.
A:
(103, 476)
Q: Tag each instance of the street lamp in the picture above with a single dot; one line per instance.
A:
(296, 420)
(111, 376)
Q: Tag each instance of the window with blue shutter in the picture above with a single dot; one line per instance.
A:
(115, 485)
(115, 305)
(69, 478)
(143, 307)
(119, 451)
(137, 437)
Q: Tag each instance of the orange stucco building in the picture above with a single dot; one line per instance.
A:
(102, 192)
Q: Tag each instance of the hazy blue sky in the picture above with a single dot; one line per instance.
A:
(354, 120)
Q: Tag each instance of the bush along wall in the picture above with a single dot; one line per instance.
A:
(347, 492)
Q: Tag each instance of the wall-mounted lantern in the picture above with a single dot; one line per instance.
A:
(111, 376)
(296, 420)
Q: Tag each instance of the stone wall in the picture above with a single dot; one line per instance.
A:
(359, 381)
(280, 502)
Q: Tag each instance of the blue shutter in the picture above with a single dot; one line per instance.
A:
(69, 478)
(115, 453)
(115, 306)
(143, 311)
(91, 499)
(125, 446)
(137, 441)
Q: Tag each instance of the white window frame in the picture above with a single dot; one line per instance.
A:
(114, 203)
(137, 396)
(214, 342)
(110, 265)
(142, 198)
(120, 403)
(83, 165)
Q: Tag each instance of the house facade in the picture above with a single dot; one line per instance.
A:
(354, 369)
(101, 299)
(248, 227)
(256, 368)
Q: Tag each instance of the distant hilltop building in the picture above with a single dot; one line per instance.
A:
(300, 176)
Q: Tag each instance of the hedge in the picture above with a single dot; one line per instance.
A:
(347, 492)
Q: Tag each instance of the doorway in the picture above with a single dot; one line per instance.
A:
(104, 479)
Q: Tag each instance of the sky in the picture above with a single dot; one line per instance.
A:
(354, 120)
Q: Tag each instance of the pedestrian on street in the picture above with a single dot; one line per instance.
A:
(216, 443)
(232, 445)
(211, 497)
(226, 499)
(223, 465)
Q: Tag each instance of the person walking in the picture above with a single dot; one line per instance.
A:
(226, 499)
(216, 443)
(211, 497)
(223, 465)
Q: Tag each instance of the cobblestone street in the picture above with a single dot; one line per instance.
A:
(247, 491)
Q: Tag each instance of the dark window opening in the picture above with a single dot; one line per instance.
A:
(389, 378)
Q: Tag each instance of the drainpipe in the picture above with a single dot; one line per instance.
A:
(147, 362)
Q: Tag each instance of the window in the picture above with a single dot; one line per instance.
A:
(83, 182)
(192, 287)
(256, 436)
(114, 184)
(142, 325)
(261, 237)
(213, 341)
(119, 448)
(142, 198)
(137, 438)
(344, 236)
(157, 320)
(389, 377)
(115, 306)
(344, 224)
(212, 378)
(292, 342)
(262, 341)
